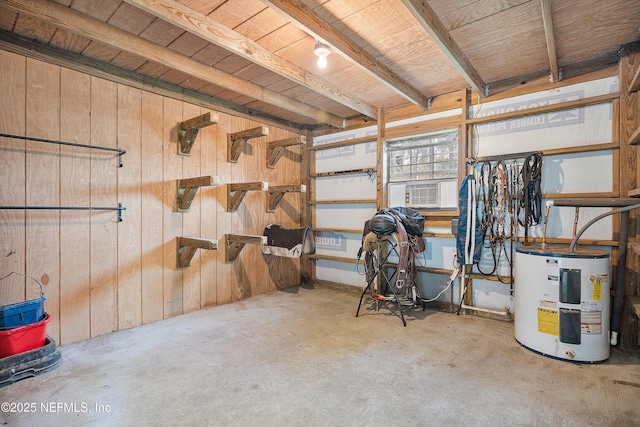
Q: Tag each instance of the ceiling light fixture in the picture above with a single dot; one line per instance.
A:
(322, 51)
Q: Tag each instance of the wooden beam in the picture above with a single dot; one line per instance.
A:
(206, 28)
(235, 242)
(187, 247)
(345, 143)
(84, 64)
(276, 193)
(605, 64)
(342, 202)
(187, 189)
(236, 192)
(188, 131)
(423, 13)
(547, 19)
(305, 19)
(567, 105)
(276, 148)
(94, 29)
(237, 140)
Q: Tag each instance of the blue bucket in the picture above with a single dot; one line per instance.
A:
(22, 313)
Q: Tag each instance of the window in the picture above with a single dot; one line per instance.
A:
(433, 156)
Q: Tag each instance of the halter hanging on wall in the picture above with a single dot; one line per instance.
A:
(510, 200)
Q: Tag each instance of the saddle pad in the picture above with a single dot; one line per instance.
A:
(288, 242)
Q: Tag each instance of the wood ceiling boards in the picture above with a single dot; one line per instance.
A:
(255, 57)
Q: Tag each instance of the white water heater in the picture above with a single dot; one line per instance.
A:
(561, 302)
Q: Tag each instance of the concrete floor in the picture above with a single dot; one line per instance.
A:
(299, 357)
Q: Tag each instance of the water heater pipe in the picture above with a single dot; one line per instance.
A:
(618, 299)
(572, 246)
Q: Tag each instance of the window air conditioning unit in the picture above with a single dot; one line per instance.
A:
(424, 194)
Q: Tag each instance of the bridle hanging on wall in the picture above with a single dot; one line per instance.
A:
(510, 196)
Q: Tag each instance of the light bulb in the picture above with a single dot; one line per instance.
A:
(322, 51)
(322, 61)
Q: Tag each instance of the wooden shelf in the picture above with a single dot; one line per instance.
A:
(276, 193)
(235, 242)
(188, 131)
(236, 193)
(634, 85)
(336, 259)
(237, 140)
(276, 148)
(187, 189)
(337, 230)
(634, 193)
(634, 302)
(635, 138)
(187, 247)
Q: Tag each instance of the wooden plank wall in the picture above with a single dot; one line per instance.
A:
(101, 275)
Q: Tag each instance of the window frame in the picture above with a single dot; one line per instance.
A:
(446, 138)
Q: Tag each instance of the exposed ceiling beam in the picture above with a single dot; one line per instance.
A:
(202, 26)
(93, 67)
(547, 19)
(607, 61)
(311, 23)
(423, 13)
(78, 23)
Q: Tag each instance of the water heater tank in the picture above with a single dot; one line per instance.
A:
(562, 302)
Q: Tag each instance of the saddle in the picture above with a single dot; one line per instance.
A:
(405, 226)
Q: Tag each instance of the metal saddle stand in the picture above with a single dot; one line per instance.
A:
(401, 282)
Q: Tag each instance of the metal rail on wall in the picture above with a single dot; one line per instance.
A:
(119, 151)
(120, 208)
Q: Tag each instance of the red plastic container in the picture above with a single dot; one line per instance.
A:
(23, 338)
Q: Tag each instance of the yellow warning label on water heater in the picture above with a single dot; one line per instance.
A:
(596, 295)
(548, 321)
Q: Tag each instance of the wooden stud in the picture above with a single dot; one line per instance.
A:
(236, 192)
(187, 189)
(187, 247)
(276, 148)
(276, 194)
(236, 141)
(235, 242)
(188, 131)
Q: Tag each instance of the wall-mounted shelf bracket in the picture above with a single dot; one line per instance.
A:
(188, 131)
(237, 140)
(276, 148)
(235, 242)
(276, 193)
(236, 192)
(187, 189)
(187, 247)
